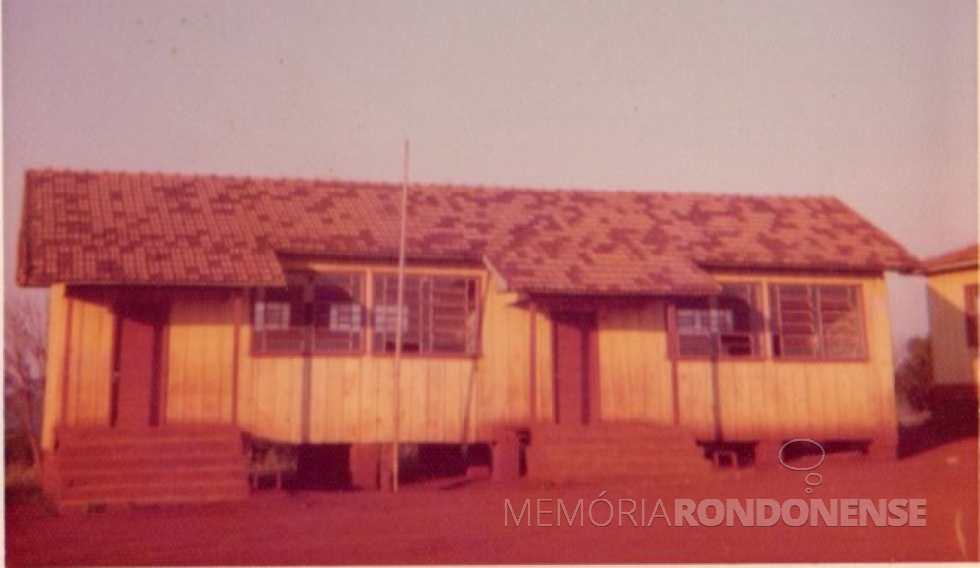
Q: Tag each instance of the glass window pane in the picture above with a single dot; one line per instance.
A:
(440, 314)
(727, 324)
(817, 321)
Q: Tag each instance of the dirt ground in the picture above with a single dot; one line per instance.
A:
(462, 522)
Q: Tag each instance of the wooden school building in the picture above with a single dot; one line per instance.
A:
(186, 310)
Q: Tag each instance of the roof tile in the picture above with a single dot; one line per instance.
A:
(87, 227)
(959, 259)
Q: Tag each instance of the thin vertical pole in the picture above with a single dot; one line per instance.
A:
(715, 354)
(67, 359)
(532, 371)
(236, 353)
(398, 322)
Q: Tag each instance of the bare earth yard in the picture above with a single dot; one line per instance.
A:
(453, 521)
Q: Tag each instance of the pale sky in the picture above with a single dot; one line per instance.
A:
(870, 101)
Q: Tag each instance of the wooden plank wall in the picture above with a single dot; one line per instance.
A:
(838, 400)
(634, 369)
(544, 379)
(91, 366)
(954, 361)
(200, 358)
(444, 399)
(55, 367)
(457, 399)
(87, 326)
(759, 399)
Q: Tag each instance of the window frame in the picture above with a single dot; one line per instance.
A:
(476, 339)
(308, 347)
(813, 291)
(360, 300)
(757, 331)
(260, 337)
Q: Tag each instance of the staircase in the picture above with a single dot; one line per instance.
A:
(97, 466)
(614, 451)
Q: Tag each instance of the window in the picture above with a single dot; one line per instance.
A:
(728, 325)
(278, 321)
(816, 322)
(318, 313)
(337, 312)
(440, 314)
(970, 311)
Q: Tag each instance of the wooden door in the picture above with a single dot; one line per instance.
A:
(139, 353)
(576, 368)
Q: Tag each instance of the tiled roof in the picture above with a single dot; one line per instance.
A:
(123, 228)
(959, 259)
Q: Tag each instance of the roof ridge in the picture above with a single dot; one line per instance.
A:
(379, 184)
(202, 176)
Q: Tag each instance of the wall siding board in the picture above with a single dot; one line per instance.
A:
(780, 398)
(544, 371)
(90, 383)
(349, 403)
(81, 383)
(103, 367)
(452, 400)
(58, 320)
(954, 362)
(199, 360)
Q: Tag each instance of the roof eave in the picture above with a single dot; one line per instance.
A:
(948, 267)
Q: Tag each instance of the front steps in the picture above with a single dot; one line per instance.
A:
(97, 466)
(612, 452)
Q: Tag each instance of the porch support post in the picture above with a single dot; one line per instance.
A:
(506, 458)
(533, 368)
(365, 460)
(66, 361)
(670, 314)
(236, 352)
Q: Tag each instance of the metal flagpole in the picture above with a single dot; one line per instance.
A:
(398, 321)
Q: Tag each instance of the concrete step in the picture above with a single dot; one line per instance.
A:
(615, 454)
(596, 472)
(612, 432)
(110, 450)
(70, 505)
(90, 478)
(154, 493)
(145, 466)
(620, 450)
(613, 448)
(638, 464)
(608, 477)
(80, 436)
(606, 446)
(662, 446)
(158, 461)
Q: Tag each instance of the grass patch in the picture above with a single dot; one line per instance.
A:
(22, 487)
(20, 476)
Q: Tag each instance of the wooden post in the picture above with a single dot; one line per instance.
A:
(66, 360)
(532, 370)
(715, 387)
(236, 353)
(670, 311)
(398, 322)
